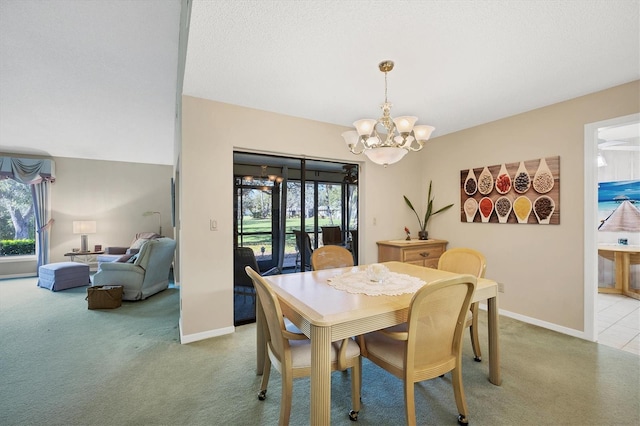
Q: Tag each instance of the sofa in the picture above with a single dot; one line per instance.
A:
(116, 253)
(144, 273)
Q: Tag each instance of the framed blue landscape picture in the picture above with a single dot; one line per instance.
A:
(612, 194)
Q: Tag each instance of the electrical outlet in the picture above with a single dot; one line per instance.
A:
(375, 221)
(501, 287)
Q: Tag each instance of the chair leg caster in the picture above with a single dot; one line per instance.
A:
(353, 416)
(262, 395)
(462, 420)
(477, 359)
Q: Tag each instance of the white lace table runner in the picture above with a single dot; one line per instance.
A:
(392, 285)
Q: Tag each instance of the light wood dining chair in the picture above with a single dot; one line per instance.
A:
(290, 353)
(327, 257)
(467, 261)
(432, 343)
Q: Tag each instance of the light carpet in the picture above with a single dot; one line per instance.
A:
(63, 364)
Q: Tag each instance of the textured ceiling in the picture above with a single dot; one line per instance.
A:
(457, 63)
(97, 79)
(89, 79)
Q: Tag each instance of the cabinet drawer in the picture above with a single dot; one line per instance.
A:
(422, 253)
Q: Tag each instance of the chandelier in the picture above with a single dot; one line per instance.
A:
(264, 175)
(386, 140)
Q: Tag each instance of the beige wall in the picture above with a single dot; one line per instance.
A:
(114, 194)
(211, 131)
(542, 267)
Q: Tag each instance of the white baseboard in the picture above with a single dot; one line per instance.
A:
(190, 338)
(24, 275)
(544, 324)
(184, 339)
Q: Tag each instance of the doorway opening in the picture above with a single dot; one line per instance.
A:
(593, 149)
(284, 208)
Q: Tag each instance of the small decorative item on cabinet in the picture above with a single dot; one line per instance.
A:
(408, 233)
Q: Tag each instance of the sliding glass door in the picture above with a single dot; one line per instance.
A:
(256, 213)
(277, 198)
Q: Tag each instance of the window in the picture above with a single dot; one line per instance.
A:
(17, 219)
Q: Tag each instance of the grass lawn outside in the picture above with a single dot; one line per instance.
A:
(256, 234)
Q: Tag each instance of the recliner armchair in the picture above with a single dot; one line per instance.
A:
(148, 274)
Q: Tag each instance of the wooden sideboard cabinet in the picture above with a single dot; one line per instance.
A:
(418, 252)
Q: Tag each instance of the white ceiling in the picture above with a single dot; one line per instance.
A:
(98, 79)
(89, 79)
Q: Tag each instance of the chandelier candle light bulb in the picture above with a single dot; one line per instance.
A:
(396, 137)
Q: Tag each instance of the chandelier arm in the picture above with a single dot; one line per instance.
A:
(354, 147)
(389, 141)
(412, 149)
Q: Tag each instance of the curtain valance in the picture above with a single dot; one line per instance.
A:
(27, 170)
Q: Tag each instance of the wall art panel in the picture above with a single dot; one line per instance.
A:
(521, 192)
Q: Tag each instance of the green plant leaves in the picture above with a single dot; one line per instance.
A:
(429, 212)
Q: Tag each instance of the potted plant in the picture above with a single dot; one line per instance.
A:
(422, 234)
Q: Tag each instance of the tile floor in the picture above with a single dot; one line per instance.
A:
(619, 322)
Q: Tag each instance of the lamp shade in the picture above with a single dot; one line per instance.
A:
(405, 123)
(601, 161)
(365, 126)
(84, 227)
(423, 132)
(385, 155)
(350, 137)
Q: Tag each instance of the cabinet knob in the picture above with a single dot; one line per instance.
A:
(424, 254)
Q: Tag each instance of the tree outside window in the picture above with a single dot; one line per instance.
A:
(17, 220)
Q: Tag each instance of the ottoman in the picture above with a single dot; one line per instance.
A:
(63, 275)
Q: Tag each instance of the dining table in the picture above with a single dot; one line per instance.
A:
(623, 257)
(327, 314)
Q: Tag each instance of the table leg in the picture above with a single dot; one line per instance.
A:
(320, 375)
(261, 323)
(494, 348)
(622, 271)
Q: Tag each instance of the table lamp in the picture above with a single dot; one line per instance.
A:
(84, 227)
